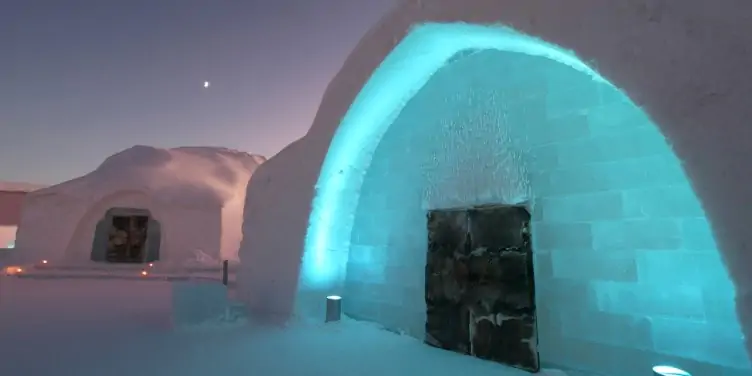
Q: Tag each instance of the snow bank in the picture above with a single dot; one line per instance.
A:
(196, 193)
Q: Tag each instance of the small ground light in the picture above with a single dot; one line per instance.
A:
(144, 273)
(151, 265)
(12, 270)
(669, 371)
(44, 261)
(333, 308)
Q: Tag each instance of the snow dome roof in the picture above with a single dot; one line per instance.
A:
(192, 176)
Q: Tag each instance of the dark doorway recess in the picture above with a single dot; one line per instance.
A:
(480, 291)
(127, 239)
(127, 236)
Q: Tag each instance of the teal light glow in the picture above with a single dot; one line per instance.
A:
(408, 67)
(11, 244)
(436, 127)
(669, 371)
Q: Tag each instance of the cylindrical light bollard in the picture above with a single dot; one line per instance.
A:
(225, 272)
(669, 371)
(333, 308)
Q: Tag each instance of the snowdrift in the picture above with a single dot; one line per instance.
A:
(194, 194)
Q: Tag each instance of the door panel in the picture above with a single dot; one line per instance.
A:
(480, 291)
(448, 246)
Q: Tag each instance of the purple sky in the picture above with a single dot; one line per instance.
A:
(83, 79)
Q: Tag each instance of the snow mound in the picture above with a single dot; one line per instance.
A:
(195, 193)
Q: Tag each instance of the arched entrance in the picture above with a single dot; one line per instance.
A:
(126, 235)
(652, 50)
(614, 214)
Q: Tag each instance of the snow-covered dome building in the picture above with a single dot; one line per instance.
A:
(140, 205)
(540, 181)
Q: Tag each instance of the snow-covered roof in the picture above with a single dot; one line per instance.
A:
(193, 176)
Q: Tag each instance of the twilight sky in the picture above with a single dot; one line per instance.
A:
(83, 79)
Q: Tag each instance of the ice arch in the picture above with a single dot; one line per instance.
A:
(638, 53)
(401, 75)
(619, 212)
(615, 221)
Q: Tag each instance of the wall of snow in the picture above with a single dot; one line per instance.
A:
(10, 207)
(195, 193)
(11, 199)
(7, 235)
(231, 221)
(275, 218)
(653, 51)
(183, 229)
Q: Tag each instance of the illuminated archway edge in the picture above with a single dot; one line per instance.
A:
(407, 68)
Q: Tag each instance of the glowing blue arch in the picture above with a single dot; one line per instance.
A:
(405, 70)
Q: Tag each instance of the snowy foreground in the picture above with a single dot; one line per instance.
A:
(86, 327)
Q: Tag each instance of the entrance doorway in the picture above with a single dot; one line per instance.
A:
(127, 236)
(480, 291)
(127, 239)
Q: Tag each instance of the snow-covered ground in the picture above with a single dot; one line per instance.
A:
(87, 327)
(152, 271)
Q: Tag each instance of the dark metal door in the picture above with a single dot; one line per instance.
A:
(480, 290)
